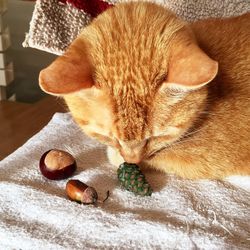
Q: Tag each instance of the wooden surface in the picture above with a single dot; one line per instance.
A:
(19, 121)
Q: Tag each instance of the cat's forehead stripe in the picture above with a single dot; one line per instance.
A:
(131, 118)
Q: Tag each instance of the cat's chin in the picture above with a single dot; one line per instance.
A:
(114, 157)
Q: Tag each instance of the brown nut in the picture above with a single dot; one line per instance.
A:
(57, 164)
(80, 192)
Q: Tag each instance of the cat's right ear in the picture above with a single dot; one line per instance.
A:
(190, 68)
(69, 73)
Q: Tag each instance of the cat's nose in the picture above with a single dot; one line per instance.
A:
(133, 159)
(132, 151)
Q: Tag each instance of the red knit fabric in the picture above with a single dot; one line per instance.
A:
(92, 7)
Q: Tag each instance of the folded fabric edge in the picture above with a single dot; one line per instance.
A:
(30, 43)
(34, 40)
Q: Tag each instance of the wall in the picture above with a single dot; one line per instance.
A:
(27, 61)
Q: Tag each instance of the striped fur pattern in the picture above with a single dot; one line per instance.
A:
(152, 95)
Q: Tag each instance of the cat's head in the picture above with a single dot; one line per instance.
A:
(134, 79)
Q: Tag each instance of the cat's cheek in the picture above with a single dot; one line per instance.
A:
(160, 162)
(114, 157)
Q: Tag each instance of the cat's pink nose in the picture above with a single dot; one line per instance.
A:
(131, 159)
(132, 151)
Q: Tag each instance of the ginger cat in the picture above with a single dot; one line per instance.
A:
(161, 92)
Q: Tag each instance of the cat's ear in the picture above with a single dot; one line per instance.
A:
(68, 73)
(190, 68)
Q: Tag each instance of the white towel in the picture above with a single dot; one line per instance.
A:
(35, 212)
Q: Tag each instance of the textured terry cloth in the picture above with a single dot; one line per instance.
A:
(56, 23)
(181, 214)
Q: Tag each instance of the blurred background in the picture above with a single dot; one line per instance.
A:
(27, 62)
(24, 109)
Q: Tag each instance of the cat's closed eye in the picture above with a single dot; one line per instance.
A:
(105, 139)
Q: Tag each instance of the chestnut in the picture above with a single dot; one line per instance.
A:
(57, 164)
(80, 192)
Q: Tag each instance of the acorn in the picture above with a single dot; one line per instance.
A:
(57, 164)
(80, 192)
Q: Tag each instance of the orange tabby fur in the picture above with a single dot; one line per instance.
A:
(143, 85)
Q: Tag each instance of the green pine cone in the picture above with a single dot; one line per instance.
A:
(132, 179)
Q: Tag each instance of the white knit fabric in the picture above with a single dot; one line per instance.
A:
(181, 214)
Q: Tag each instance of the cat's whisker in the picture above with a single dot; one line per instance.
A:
(188, 134)
(210, 114)
(184, 139)
(187, 138)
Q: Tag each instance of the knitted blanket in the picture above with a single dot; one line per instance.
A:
(56, 23)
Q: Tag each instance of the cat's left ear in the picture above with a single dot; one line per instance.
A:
(69, 73)
(190, 68)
